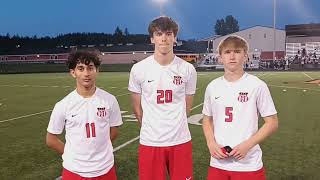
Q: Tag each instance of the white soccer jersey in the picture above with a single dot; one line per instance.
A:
(163, 91)
(88, 150)
(235, 109)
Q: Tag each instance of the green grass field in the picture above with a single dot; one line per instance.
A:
(26, 100)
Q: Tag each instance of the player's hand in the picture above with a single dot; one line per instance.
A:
(240, 151)
(216, 152)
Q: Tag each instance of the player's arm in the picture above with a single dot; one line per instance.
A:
(268, 128)
(55, 143)
(189, 101)
(214, 148)
(191, 85)
(114, 132)
(136, 106)
(115, 120)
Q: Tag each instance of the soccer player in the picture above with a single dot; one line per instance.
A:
(231, 109)
(162, 87)
(90, 117)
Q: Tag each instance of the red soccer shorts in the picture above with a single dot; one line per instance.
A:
(154, 162)
(111, 175)
(215, 173)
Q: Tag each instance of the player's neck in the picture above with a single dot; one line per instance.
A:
(86, 92)
(164, 59)
(233, 76)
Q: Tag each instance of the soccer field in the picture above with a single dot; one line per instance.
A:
(26, 101)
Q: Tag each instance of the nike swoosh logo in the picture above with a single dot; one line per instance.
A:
(217, 97)
(150, 81)
(73, 115)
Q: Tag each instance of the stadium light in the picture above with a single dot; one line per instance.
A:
(208, 46)
(161, 2)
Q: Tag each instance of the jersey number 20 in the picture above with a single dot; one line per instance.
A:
(164, 96)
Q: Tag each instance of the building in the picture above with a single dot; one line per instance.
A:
(302, 39)
(261, 41)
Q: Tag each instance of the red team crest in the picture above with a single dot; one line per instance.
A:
(243, 97)
(177, 80)
(101, 112)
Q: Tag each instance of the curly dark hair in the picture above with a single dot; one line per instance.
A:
(83, 56)
(163, 23)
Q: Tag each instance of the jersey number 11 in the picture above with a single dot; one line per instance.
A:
(90, 128)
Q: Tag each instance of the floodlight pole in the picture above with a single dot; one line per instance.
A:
(274, 29)
(161, 8)
(161, 3)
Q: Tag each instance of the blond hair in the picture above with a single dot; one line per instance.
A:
(234, 41)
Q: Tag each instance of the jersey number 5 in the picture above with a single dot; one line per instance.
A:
(164, 96)
(90, 127)
(229, 115)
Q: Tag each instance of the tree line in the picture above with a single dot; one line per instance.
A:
(24, 44)
(11, 44)
(226, 26)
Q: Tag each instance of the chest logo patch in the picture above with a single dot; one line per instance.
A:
(177, 80)
(101, 112)
(243, 97)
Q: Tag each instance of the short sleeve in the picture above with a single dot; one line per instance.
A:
(264, 101)
(57, 119)
(134, 83)
(192, 82)
(207, 106)
(115, 116)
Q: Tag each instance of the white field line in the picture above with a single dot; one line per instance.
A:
(256, 73)
(25, 116)
(39, 86)
(199, 74)
(290, 87)
(42, 112)
(307, 75)
(52, 86)
(125, 144)
(262, 74)
(33, 86)
(196, 106)
(123, 94)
